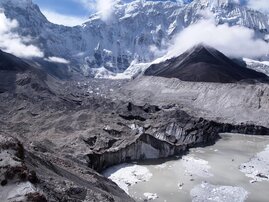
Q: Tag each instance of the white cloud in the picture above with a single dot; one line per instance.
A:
(61, 19)
(57, 60)
(233, 41)
(13, 43)
(104, 8)
(259, 4)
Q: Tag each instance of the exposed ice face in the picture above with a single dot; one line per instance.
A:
(258, 167)
(197, 167)
(207, 192)
(126, 175)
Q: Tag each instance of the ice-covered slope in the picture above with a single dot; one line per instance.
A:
(132, 31)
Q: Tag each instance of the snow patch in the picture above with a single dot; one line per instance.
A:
(250, 61)
(101, 72)
(261, 66)
(16, 192)
(7, 159)
(207, 192)
(126, 175)
(134, 70)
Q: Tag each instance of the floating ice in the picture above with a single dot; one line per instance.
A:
(258, 167)
(197, 167)
(150, 196)
(125, 175)
(207, 192)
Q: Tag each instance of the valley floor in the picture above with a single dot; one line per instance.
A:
(61, 135)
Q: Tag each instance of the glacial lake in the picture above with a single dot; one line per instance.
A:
(221, 172)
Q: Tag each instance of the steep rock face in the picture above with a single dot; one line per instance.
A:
(18, 182)
(203, 64)
(128, 36)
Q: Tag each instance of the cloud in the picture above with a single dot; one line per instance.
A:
(13, 43)
(57, 60)
(235, 41)
(258, 4)
(104, 8)
(61, 19)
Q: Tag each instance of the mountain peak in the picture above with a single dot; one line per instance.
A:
(203, 64)
(201, 47)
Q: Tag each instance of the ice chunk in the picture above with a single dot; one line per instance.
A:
(150, 196)
(207, 192)
(258, 167)
(125, 175)
(197, 167)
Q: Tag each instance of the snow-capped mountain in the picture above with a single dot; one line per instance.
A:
(134, 33)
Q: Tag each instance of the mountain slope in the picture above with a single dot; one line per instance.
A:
(128, 36)
(9, 62)
(203, 64)
(16, 73)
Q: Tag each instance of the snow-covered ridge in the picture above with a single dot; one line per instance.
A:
(136, 32)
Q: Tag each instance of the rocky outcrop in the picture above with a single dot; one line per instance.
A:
(18, 182)
(24, 177)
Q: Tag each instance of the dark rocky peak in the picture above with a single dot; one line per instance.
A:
(204, 64)
(16, 72)
(10, 62)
